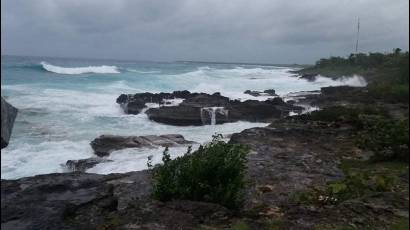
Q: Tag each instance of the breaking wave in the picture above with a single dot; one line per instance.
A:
(104, 69)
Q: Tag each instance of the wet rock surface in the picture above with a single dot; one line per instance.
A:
(8, 115)
(201, 108)
(268, 92)
(135, 103)
(84, 164)
(208, 109)
(105, 144)
(91, 201)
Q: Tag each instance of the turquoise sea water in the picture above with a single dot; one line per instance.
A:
(66, 103)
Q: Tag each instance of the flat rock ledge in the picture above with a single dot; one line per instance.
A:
(105, 144)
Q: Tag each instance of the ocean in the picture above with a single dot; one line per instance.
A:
(65, 103)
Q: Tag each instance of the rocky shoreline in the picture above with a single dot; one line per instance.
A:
(201, 108)
(288, 157)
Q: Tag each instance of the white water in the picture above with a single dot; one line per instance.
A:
(58, 117)
(210, 112)
(80, 70)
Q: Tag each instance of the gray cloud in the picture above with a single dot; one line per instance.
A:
(269, 31)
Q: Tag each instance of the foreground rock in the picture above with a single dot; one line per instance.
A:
(91, 201)
(106, 144)
(287, 158)
(8, 115)
(291, 157)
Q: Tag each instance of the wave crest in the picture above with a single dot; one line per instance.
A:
(104, 69)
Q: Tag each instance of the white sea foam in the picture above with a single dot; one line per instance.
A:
(57, 121)
(142, 72)
(104, 69)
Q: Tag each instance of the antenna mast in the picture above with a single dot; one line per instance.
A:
(357, 38)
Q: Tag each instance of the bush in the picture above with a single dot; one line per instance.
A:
(214, 173)
(392, 93)
(344, 114)
(389, 139)
(354, 185)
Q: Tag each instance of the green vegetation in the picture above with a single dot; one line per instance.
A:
(387, 74)
(361, 179)
(387, 138)
(214, 173)
(350, 115)
(240, 225)
(391, 67)
(402, 224)
(354, 185)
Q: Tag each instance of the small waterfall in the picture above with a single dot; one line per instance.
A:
(209, 113)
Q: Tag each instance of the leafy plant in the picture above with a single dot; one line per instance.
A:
(354, 185)
(389, 139)
(213, 173)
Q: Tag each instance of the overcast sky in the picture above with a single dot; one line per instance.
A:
(267, 31)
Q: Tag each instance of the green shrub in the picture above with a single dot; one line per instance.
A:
(344, 114)
(390, 92)
(353, 186)
(214, 173)
(387, 138)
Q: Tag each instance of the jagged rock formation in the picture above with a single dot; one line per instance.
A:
(8, 115)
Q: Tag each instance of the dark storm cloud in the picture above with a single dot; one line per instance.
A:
(214, 30)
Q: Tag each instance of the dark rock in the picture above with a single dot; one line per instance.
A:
(84, 164)
(105, 144)
(8, 115)
(68, 200)
(215, 109)
(337, 95)
(288, 158)
(91, 201)
(268, 92)
(133, 104)
(309, 77)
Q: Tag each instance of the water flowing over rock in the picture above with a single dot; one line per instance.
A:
(207, 109)
(105, 144)
(208, 114)
(195, 108)
(8, 115)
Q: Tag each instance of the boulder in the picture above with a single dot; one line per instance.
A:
(8, 115)
(206, 109)
(134, 103)
(68, 200)
(84, 164)
(309, 77)
(72, 201)
(268, 92)
(105, 144)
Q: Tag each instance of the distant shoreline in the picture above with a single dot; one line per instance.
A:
(151, 61)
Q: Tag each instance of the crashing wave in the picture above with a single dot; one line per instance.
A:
(104, 69)
(142, 72)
